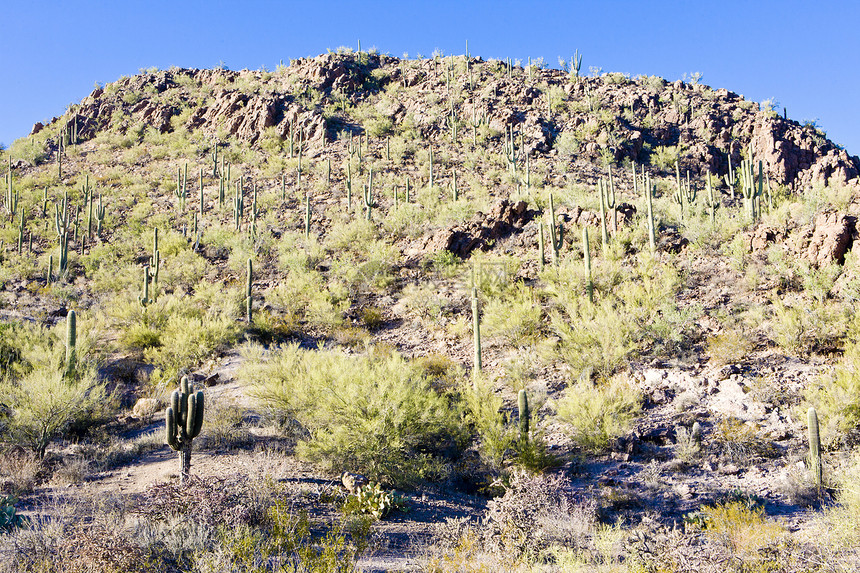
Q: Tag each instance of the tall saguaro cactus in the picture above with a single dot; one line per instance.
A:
(556, 233)
(586, 250)
(71, 341)
(524, 415)
(814, 447)
(476, 334)
(183, 420)
(249, 300)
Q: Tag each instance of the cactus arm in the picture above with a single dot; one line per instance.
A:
(191, 409)
(198, 416)
(170, 429)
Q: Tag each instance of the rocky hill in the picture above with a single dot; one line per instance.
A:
(312, 245)
(611, 116)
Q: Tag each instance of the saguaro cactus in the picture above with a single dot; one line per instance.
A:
(307, 214)
(249, 301)
(541, 248)
(71, 341)
(556, 233)
(525, 415)
(476, 334)
(586, 250)
(183, 420)
(814, 447)
(652, 227)
(144, 299)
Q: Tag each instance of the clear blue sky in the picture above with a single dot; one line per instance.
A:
(804, 55)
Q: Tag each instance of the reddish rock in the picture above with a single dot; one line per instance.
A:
(831, 237)
(482, 231)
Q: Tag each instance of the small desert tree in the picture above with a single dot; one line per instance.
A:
(45, 402)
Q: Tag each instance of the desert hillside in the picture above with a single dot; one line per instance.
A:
(554, 321)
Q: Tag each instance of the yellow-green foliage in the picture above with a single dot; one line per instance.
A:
(302, 296)
(599, 412)
(177, 330)
(513, 319)
(483, 412)
(634, 310)
(43, 397)
(742, 530)
(837, 395)
(45, 403)
(840, 521)
(729, 346)
(373, 414)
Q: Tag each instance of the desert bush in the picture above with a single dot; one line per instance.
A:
(492, 275)
(739, 442)
(741, 530)
(536, 514)
(688, 446)
(224, 428)
(31, 149)
(45, 403)
(729, 346)
(663, 157)
(836, 395)
(567, 144)
(423, 301)
(599, 413)
(368, 270)
(839, 519)
(592, 336)
(484, 413)
(638, 316)
(44, 396)
(515, 319)
(303, 296)
(376, 415)
(20, 471)
(176, 330)
(287, 543)
(207, 501)
(805, 326)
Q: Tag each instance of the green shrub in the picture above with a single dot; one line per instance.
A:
(45, 403)
(484, 413)
(599, 413)
(634, 311)
(378, 126)
(743, 531)
(729, 346)
(176, 331)
(303, 296)
(837, 394)
(664, 157)
(515, 319)
(377, 415)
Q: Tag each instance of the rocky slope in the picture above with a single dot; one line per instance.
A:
(758, 317)
(628, 118)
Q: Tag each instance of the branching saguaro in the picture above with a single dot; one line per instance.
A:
(183, 420)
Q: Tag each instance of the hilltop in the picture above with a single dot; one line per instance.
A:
(368, 205)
